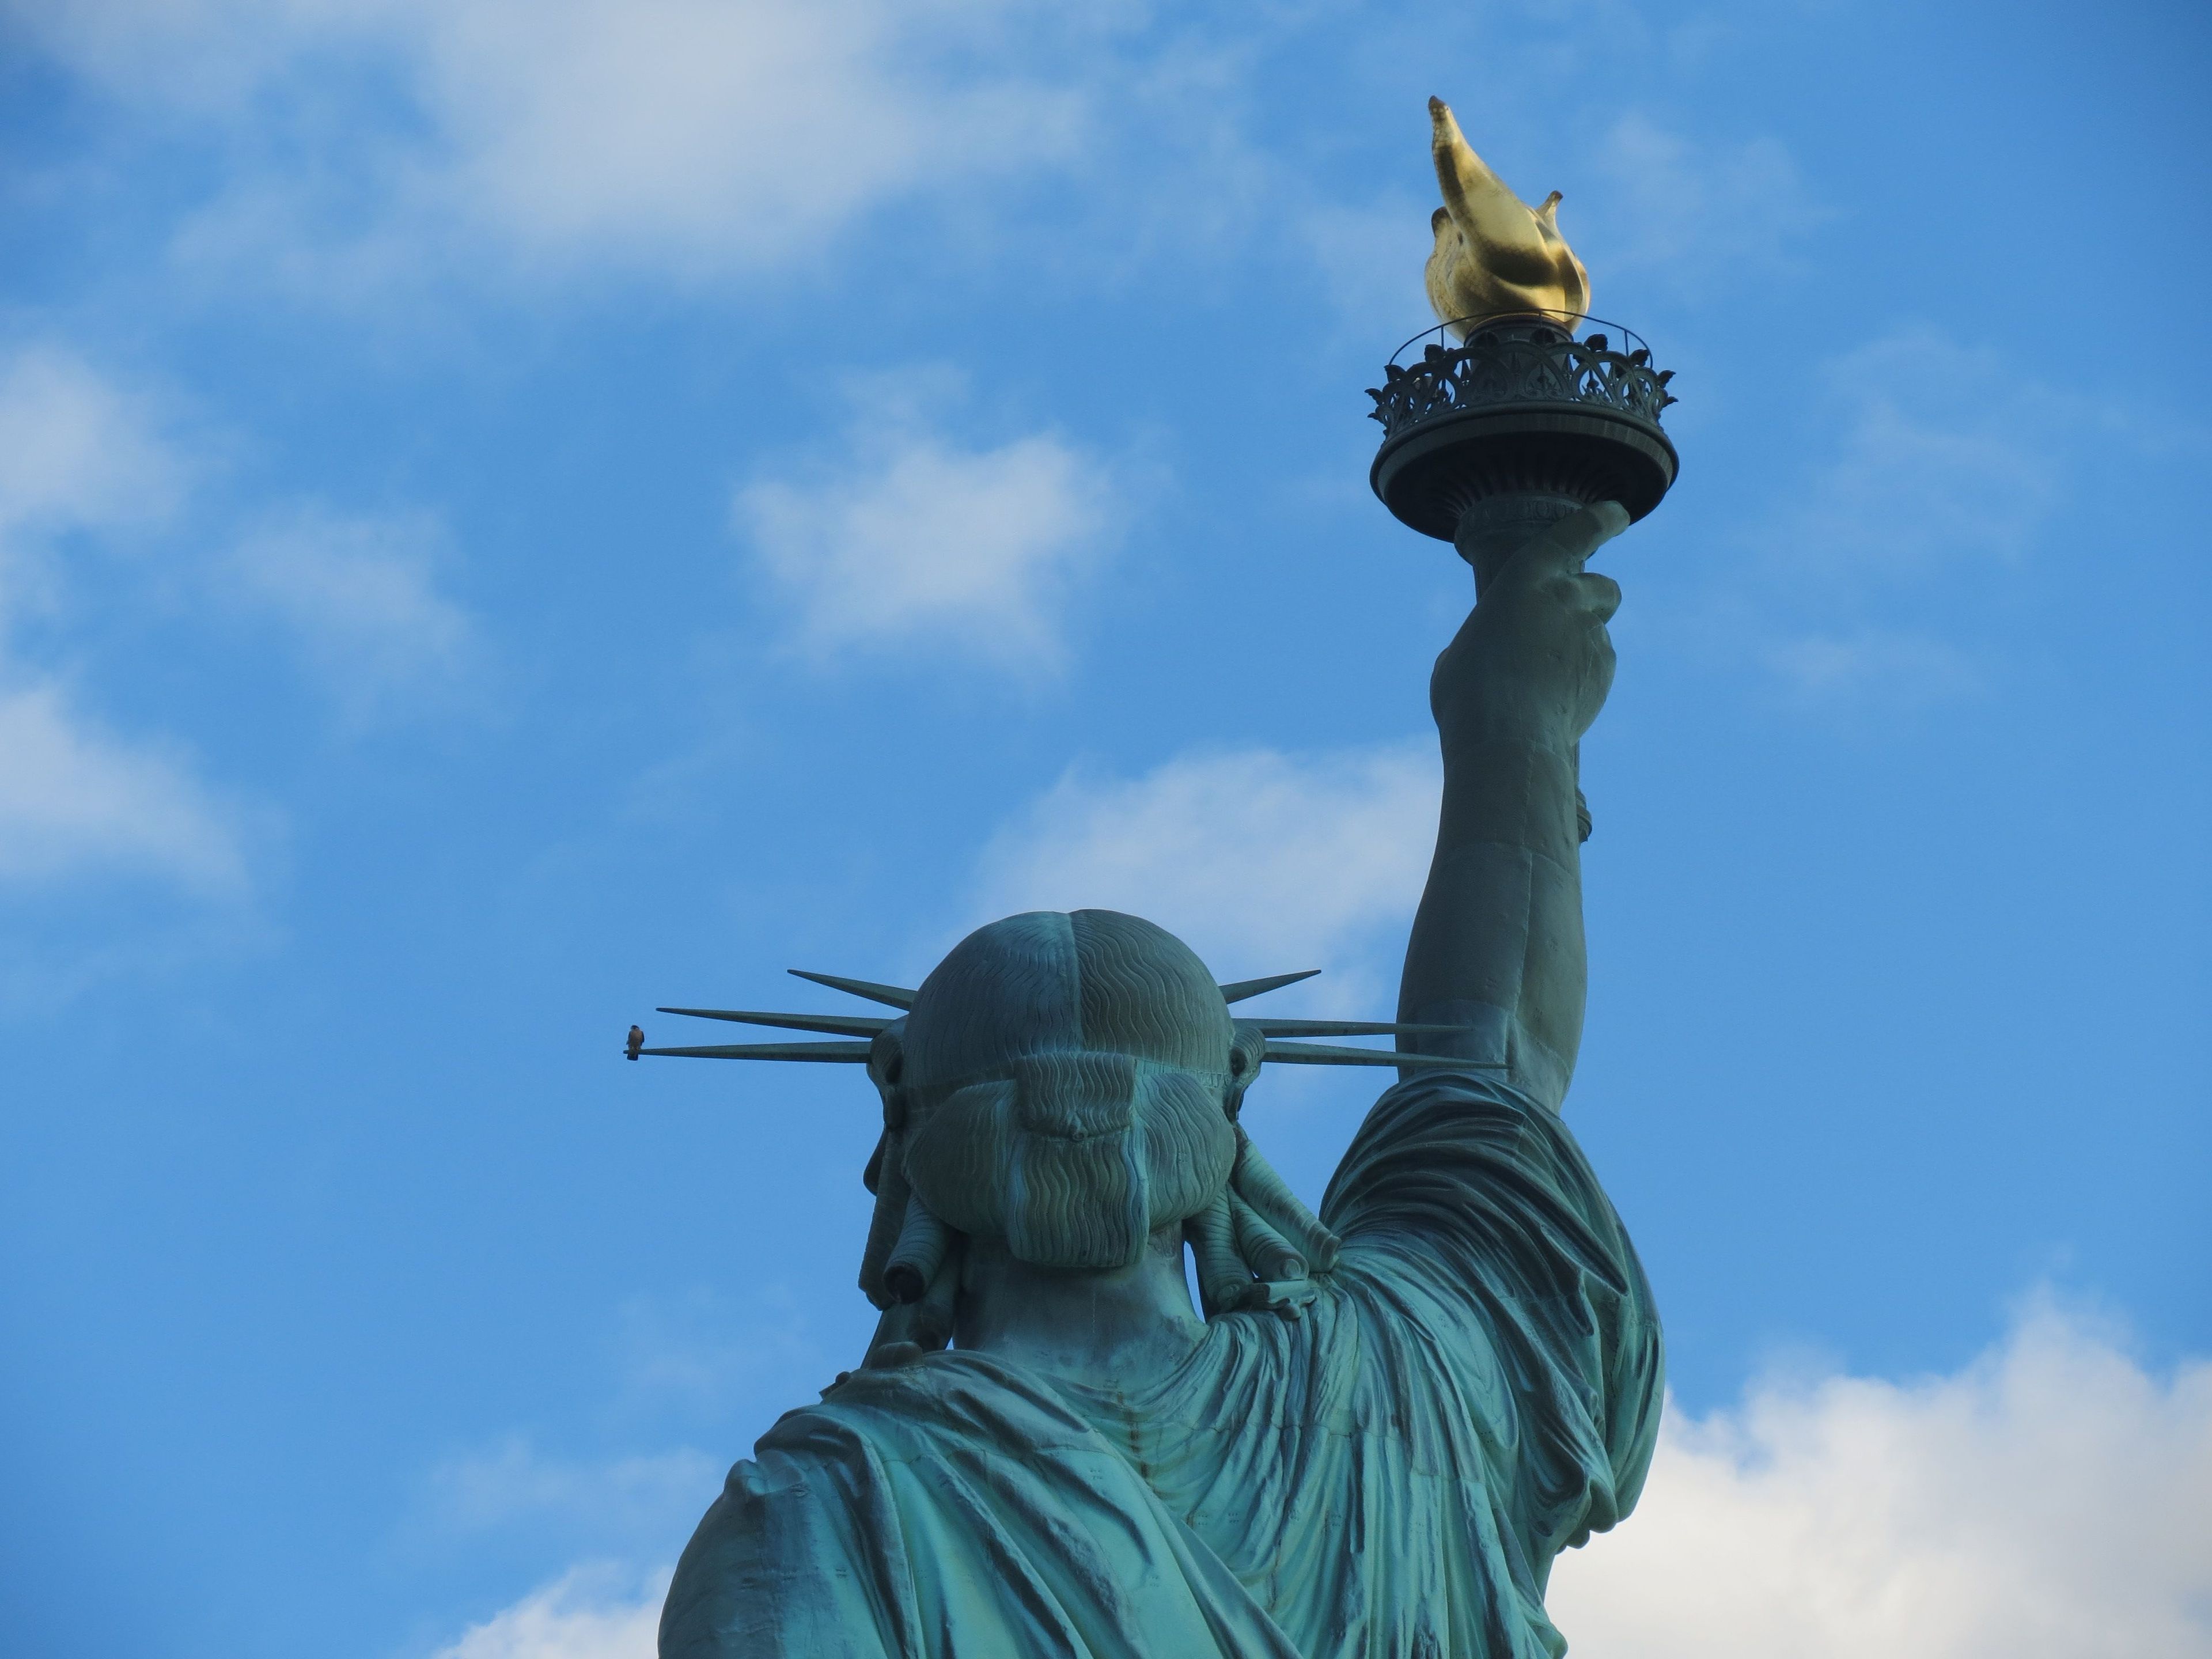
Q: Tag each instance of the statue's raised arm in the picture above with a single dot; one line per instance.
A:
(1497, 946)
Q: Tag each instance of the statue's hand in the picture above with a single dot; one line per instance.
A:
(1533, 663)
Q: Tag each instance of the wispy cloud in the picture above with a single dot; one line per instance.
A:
(77, 800)
(901, 538)
(698, 137)
(1262, 861)
(1704, 216)
(1873, 666)
(79, 451)
(700, 1351)
(514, 1482)
(1371, 258)
(1929, 469)
(80, 454)
(715, 134)
(2051, 1501)
(368, 151)
(103, 503)
(1941, 452)
(359, 598)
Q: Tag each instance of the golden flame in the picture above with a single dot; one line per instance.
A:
(1494, 252)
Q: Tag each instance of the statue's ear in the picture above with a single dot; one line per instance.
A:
(886, 1176)
(1246, 1051)
(887, 1071)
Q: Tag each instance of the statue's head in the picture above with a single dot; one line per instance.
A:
(1067, 1084)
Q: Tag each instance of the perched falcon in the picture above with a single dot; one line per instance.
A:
(636, 1042)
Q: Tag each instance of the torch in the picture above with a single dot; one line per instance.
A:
(1500, 421)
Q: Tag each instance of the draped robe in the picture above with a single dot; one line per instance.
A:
(1474, 1387)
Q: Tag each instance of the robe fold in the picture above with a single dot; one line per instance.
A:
(1475, 1388)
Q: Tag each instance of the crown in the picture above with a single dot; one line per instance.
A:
(860, 1030)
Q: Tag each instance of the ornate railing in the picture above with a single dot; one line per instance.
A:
(1515, 360)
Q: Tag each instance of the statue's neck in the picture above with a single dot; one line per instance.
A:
(1109, 1330)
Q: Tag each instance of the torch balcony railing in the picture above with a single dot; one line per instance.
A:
(1526, 357)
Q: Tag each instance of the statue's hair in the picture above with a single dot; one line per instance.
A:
(1033, 1006)
(1051, 982)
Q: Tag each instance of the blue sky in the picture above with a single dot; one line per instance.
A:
(511, 514)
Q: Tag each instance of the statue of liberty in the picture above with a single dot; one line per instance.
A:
(1390, 1416)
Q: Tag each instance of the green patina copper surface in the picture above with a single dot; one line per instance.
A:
(1393, 1414)
(1474, 1388)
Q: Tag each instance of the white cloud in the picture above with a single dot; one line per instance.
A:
(586, 1614)
(1943, 452)
(698, 1348)
(1707, 216)
(75, 800)
(699, 135)
(365, 150)
(513, 1481)
(87, 463)
(78, 452)
(202, 57)
(1261, 861)
(1873, 665)
(908, 540)
(1372, 260)
(721, 132)
(2051, 1501)
(360, 598)
(1861, 582)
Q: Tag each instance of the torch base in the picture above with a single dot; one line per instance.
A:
(1491, 443)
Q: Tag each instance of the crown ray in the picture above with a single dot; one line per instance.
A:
(852, 1053)
(894, 995)
(1322, 1054)
(1305, 1028)
(1253, 987)
(841, 1025)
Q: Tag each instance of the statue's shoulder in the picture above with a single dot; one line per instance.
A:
(1445, 1126)
(912, 1411)
(854, 1512)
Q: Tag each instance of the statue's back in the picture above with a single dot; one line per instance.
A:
(1474, 1386)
